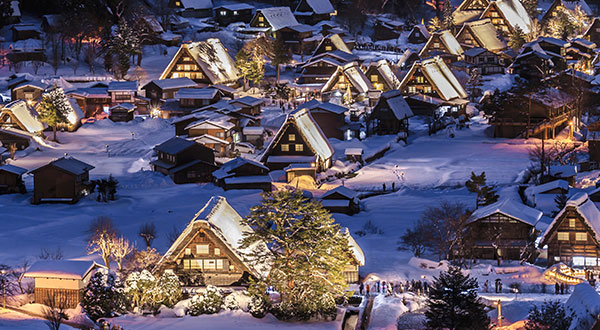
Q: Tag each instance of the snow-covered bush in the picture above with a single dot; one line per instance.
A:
(230, 303)
(147, 292)
(168, 289)
(257, 306)
(210, 302)
(237, 300)
(103, 296)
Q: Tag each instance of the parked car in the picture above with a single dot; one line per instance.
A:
(245, 147)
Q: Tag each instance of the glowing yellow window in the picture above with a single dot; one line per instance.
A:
(563, 236)
(581, 236)
(261, 19)
(342, 79)
(217, 251)
(177, 4)
(572, 223)
(285, 147)
(328, 48)
(299, 147)
(374, 78)
(292, 137)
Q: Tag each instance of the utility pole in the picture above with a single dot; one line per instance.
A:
(3, 272)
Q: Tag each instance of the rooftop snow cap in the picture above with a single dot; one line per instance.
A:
(510, 208)
(64, 269)
(174, 145)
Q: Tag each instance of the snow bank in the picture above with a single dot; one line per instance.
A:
(585, 305)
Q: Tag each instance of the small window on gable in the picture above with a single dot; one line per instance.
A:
(563, 236)
(292, 137)
(217, 251)
(285, 147)
(328, 48)
(436, 45)
(188, 251)
(374, 78)
(581, 236)
(572, 223)
(202, 248)
(261, 19)
(299, 147)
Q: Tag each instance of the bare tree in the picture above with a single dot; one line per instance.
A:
(173, 235)
(92, 51)
(148, 233)
(102, 237)
(55, 311)
(444, 226)
(36, 65)
(74, 63)
(140, 260)
(163, 12)
(56, 254)
(24, 266)
(121, 248)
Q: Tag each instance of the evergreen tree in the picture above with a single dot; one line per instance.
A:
(434, 24)
(123, 44)
(453, 303)
(54, 109)
(6, 12)
(517, 38)
(448, 18)
(281, 55)
(103, 296)
(550, 316)
(531, 6)
(485, 194)
(473, 82)
(307, 254)
(560, 201)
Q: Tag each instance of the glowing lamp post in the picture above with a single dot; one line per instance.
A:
(3, 272)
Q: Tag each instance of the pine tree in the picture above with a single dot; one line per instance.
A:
(448, 18)
(103, 296)
(560, 201)
(54, 109)
(531, 7)
(6, 12)
(434, 24)
(550, 316)
(281, 55)
(453, 303)
(485, 194)
(307, 254)
(517, 38)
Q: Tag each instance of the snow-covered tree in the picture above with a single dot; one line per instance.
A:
(251, 59)
(103, 296)
(138, 289)
(560, 201)
(167, 289)
(453, 303)
(307, 254)
(121, 249)
(561, 26)
(258, 307)
(580, 20)
(54, 109)
(550, 316)
(531, 6)
(517, 39)
(473, 82)
(447, 17)
(141, 260)
(102, 237)
(123, 44)
(485, 194)
(434, 24)
(442, 228)
(209, 302)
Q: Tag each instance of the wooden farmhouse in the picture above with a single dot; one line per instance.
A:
(297, 173)
(64, 180)
(506, 15)
(357, 258)
(122, 91)
(502, 230)
(386, 29)
(233, 13)
(298, 39)
(192, 8)
(382, 76)
(209, 252)
(122, 112)
(318, 69)
(407, 59)
(242, 173)
(21, 139)
(341, 200)
(443, 44)
(349, 80)
(25, 31)
(248, 105)
(430, 84)
(19, 115)
(469, 10)
(30, 91)
(214, 130)
(568, 6)
(573, 236)
(419, 34)
(483, 60)
(271, 20)
(482, 34)
(540, 58)
(299, 140)
(549, 188)
(158, 90)
(187, 100)
(593, 31)
(330, 43)
(184, 161)
(61, 282)
(581, 54)
(390, 115)
(94, 101)
(205, 62)
(331, 118)
(314, 11)
(11, 180)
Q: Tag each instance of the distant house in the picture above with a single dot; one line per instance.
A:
(390, 115)
(568, 6)
(469, 10)
(197, 97)
(19, 115)
(30, 91)
(350, 80)
(314, 11)
(386, 29)
(382, 76)
(192, 8)
(51, 23)
(443, 44)
(249, 105)
(299, 140)
(357, 259)
(506, 15)
(184, 161)
(271, 20)
(214, 130)
(157, 90)
(573, 237)
(481, 33)
(407, 59)
(61, 281)
(318, 69)
(563, 172)
(11, 180)
(25, 31)
(205, 62)
(484, 60)
(209, 251)
(242, 173)
(331, 118)
(330, 43)
(122, 112)
(540, 58)
(593, 31)
(341, 200)
(94, 101)
(122, 91)
(580, 54)
(502, 230)
(254, 135)
(418, 35)
(232, 13)
(63, 180)
(27, 50)
(21, 139)
(549, 188)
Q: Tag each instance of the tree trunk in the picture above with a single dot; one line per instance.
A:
(139, 58)
(54, 132)
(278, 71)
(106, 261)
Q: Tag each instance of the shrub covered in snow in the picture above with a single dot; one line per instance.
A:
(146, 292)
(103, 296)
(258, 306)
(210, 302)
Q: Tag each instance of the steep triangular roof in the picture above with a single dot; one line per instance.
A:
(70, 165)
(397, 104)
(385, 70)
(319, 7)
(510, 208)
(513, 12)
(336, 41)
(485, 34)
(355, 76)
(212, 57)
(26, 116)
(278, 17)
(448, 40)
(225, 223)
(440, 76)
(422, 29)
(585, 208)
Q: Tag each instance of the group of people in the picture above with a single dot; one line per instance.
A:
(498, 283)
(561, 288)
(389, 288)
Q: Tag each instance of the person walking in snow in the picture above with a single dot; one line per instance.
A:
(368, 289)
(556, 288)
(361, 288)
(485, 286)
(562, 288)
(382, 288)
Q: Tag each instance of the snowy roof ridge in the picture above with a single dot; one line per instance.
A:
(319, 7)
(485, 32)
(25, 115)
(440, 76)
(279, 17)
(13, 169)
(342, 190)
(357, 252)
(586, 209)
(514, 13)
(510, 208)
(64, 269)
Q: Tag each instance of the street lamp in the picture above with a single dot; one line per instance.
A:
(3, 272)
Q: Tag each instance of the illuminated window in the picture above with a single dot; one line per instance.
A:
(328, 48)
(581, 236)
(412, 89)
(261, 19)
(427, 89)
(217, 251)
(177, 4)
(374, 78)
(202, 248)
(223, 13)
(235, 12)
(285, 147)
(188, 251)
(292, 137)
(562, 236)
(436, 45)
(342, 79)
(175, 75)
(299, 147)
(187, 58)
(572, 223)
(578, 261)
(420, 79)
(210, 264)
(219, 263)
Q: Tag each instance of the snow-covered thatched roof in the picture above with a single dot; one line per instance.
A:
(586, 208)
(173, 83)
(440, 76)
(355, 76)
(509, 208)
(584, 303)
(485, 33)
(319, 7)
(448, 40)
(212, 57)
(357, 252)
(422, 29)
(342, 190)
(63, 269)
(385, 70)
(279, 17)
(248, 101)
(196, 93)
(196, 4)
(514, 13)
(549, 186)
(12, 169)
(26, 116)
(228, 168)
(123, 86)
(397, 104)
(224, 222)
(336, 41)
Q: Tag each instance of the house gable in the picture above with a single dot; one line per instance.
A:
(184, 64)
(416, 81)
(473, 5)
(259, 21)
(287, 141)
